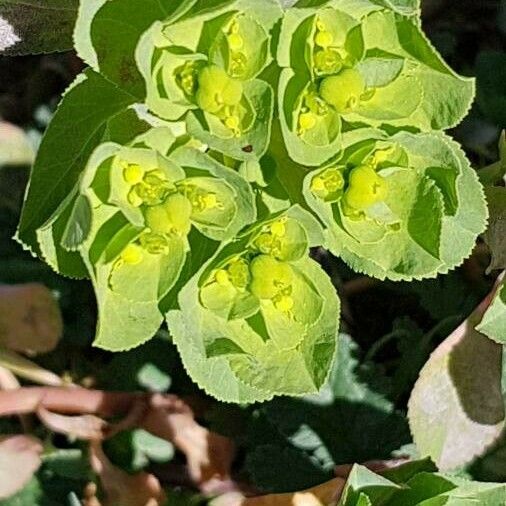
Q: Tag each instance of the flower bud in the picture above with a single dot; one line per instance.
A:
(366, 188)
(270, 277)
(344, 90)
(328, 185)
(173, 216)
(132, 254)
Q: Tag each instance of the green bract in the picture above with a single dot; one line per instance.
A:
(347, 64)
(206, 69)
(212, 143)
(267, 325)
(398, 207)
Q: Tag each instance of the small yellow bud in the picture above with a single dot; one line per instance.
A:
(235, 41)
(285, 303)
(232, 122)
(324, 39)
(222, 277)
(210, 201)
(133, 174)
(278, 228)
(134, 199)
(307, 120)
(132, 254)
(318, 184)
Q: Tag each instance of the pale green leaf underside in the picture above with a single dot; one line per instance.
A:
(493, 324)
(456, 410)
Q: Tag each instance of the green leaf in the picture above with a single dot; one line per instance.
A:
(87, 105)
(327, 429)
(456, 410)
(424, 222)
(291, 86)
(36, 26)
(493, 323)
(379, 71)
(363, 482)
(405, 7)
(495, 236)
(78, 225)
(115, 31)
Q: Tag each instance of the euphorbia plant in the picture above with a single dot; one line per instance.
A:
(211, 144)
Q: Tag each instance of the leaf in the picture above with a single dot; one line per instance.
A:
(140, 489)
(82, 427)
(36, 26)
(30, 318)
(19, 460)
(88, 104)
(15, 148)
(115, 32)
(405, 7)
(327, 493)
(380, 71)
(493, 324)
(456, 410)
(495, 236)
(27, 369)
(447, 96)
(363, 482)
(318, 432)
(209, 455)
(78, 226)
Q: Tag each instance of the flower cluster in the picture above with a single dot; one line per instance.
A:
(219, 141)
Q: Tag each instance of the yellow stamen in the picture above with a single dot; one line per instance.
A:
(235, 41)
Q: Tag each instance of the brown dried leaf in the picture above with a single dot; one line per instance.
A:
(26, 369)
(30, 318)
(141, 489)
(19, 460)
(326, 494)
(209, 455)
(80, 427)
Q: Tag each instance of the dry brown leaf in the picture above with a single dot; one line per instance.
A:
(141, 489)
(326, 494)
(19, 460)
(80, 427)
(209, 455)
(30, 318)
(26, 369)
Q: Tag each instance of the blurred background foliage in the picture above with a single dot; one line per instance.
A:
(389, 329)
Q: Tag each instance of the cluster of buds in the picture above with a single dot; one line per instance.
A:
(357, 188)
(263, 272)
